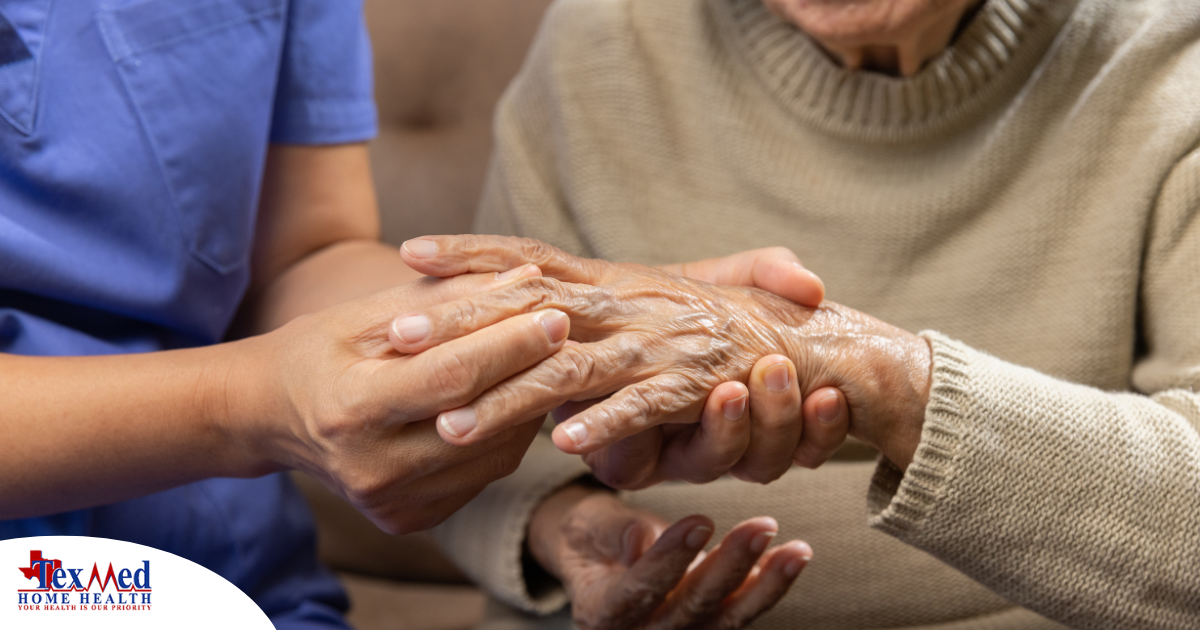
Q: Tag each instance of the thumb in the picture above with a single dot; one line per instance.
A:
(774, 269)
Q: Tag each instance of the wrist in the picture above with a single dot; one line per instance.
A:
(902, 427)
(884, 372)
(239, 403)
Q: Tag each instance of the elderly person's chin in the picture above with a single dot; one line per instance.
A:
(891, 36)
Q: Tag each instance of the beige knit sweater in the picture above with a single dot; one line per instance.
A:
(1033, 195)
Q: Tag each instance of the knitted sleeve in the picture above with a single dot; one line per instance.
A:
(1080, 504)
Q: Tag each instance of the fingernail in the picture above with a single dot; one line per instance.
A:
(511, 273)
(778, 377)
(556, 324)
(733, 409)
(698, 537)
(577, 432)
(459, 422)
(411, 329)
(759, 543)
(828, 409)
(420, 248)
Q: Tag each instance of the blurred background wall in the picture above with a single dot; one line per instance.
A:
(440, 67)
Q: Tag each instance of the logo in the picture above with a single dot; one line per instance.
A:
(56, 587)
(60, 581)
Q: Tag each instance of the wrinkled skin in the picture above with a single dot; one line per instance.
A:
(625, 569)
(773, 431)
(892, 36)
(659, 343)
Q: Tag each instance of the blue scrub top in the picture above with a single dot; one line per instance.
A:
(131, 155)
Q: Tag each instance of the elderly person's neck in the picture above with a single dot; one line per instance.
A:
(895, 37)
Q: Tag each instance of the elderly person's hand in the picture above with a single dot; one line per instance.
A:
(659, 343)
(625, 569)
(754, 432)
(340, 403)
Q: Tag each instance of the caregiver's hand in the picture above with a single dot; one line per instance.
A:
(625, 569)
(662, 343)
(337, 401)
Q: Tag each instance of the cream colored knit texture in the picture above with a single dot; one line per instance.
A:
(1032, 193)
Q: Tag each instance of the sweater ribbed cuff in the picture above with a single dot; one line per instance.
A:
(486, 538)
(898, 502)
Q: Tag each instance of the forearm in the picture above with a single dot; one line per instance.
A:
(1076, 503)
(332, 275)
(86, 431)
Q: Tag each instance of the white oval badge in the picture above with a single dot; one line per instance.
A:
(78, 582)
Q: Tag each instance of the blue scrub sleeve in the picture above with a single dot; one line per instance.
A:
(326, 91)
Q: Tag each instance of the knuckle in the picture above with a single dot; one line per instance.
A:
(749, 474)
(774, 422)
(811, 458)
(450, 378)
(700, 474)
(695, 608)
(465, 314)
(364, 491)
(536, 251)
(759, 473)
(575, 366)
(540, 292)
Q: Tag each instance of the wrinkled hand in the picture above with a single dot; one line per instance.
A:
(624, 569)
(343, 405)
(659, 343)
(754, 433)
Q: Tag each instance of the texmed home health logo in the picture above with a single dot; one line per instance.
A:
(57, 587)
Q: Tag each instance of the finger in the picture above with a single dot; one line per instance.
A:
(379, 308)
(455, 373)
(774, 269)
(576, 372)
(826, 424)
(631, 410)
(629, 464)
(417, 331)
(415, 479)
(775, 414)
(571, 408)
(766, 585)
(431, 291)
(651, 578)
(701, 593)
(719, 441)
(443, 256)
(423, 504)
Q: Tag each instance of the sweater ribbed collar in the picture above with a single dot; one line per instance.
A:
(989, 61)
